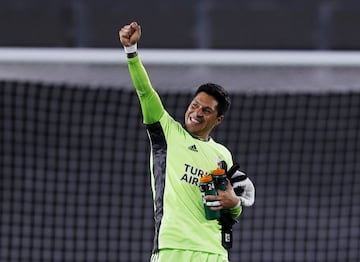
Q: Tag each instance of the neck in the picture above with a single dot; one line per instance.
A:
(201, 138)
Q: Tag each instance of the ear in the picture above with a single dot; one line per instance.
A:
(219, 119)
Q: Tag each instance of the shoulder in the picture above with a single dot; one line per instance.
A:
(218, 145)
(222, 149)
(168, 125)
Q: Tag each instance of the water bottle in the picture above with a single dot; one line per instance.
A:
(207, 188)
(219, 177)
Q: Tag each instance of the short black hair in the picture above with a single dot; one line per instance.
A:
(219, 93)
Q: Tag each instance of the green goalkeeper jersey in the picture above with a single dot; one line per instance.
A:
(177, 162)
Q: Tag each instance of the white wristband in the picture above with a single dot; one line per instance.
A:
(130, 49)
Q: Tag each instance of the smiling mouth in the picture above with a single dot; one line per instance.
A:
(194, 120)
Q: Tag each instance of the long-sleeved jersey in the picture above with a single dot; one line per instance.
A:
(177, 161)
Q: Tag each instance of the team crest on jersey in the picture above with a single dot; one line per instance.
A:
(221, 163)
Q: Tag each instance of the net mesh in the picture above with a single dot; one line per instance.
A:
(75, 183)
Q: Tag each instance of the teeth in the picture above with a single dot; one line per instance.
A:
(194, 120)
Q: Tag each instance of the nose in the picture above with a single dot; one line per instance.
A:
(199, 111)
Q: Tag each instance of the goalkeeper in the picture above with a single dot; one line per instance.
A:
(179, 156)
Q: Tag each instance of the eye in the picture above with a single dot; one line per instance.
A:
(207, 111)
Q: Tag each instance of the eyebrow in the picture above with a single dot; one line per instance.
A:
(205, 107)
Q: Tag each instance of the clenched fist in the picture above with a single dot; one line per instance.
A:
(130, 34)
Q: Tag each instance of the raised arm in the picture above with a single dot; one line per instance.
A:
(151, 105)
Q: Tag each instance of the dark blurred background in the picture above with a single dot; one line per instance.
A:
(74, 182)
(206, 24)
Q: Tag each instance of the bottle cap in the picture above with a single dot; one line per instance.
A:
(206, 178)
(218, 171)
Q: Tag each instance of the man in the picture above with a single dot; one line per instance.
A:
(180, 156)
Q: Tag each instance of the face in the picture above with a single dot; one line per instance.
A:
(202, 115)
